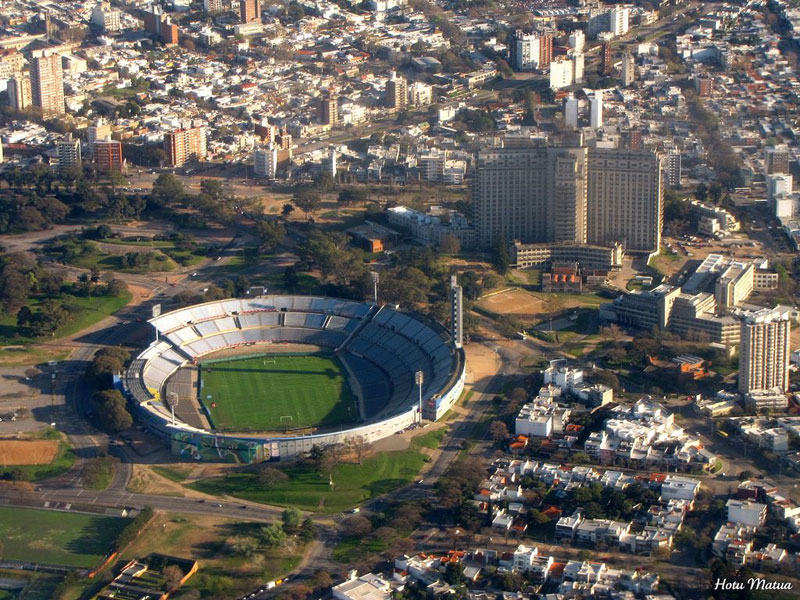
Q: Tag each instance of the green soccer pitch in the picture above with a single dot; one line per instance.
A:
(274, 392)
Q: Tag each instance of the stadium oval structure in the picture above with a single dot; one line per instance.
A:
(381, 348)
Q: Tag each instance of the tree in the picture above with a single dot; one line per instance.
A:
(307, 200)
(270, 234)
(498, 431)
(500, 258)
(272, 535)
(308, 531)
(270, 476)
(450, 244)
(350, 195)
(454, 573)
(167, 189)
(322, 580)
(112, 410)
(355, 526)
(286, 210)
(291, 518)
(361, 447)
(172, 575)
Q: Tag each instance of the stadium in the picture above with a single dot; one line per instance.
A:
(269, 377)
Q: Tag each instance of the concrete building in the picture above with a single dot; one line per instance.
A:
(105, 18)
(69, 152)
(596, 111)
(628, 70)
(744, 512)
(779, 184)
(396, 92)
(672, 170)
(214, 6)
(606, 59)
(19, 92)
(366, 587)
(265, 161)
(577, 40)
(47, 85)
(531, 51)
(329, 108)
(765, 350)
(571, 112)
(183, 145)
(432, 228)
(249, 11)
(100, 130)
(420, 94)
(537, 193)
(561, 74)
(735, 284)
(776, 160)
(614, 21)
(766, 400)
(107, 155)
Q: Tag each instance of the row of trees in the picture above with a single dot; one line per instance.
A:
(109, 404)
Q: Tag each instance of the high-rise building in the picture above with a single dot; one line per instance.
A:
(628, 69)
(606, 59)
(596, 111)
(249, 11)
(105, 18)
(420, 94)
(615, 21)
(577, 65)
(545, 48)
(704, 86)
(776, 160)
(533, 192)
(571, 112)
(765, 351)
(47, 85)
(11, 63)
(635, 141)
(107, 155)
(100, 130)
(152, 19)
(561, 74)
(531, 50)
(673, 168)
(265, 161)
(183, 145)
(396, 92)
(69, 152)
(456, 312)
(169, 32)
(577, 40)
(214, 6)
(329, 109)
(19, 93)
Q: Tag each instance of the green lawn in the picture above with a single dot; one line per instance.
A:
(59, 538)
(307, 490)
(257, 394)
(84, 313)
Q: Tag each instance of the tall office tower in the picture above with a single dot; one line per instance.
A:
(596, 111)
(105, 18)
(673, 168)
(577, 40)
(625, 199)
(329, 109)
(69, 152)
(765, 351)
(776, 160)
(249, 10)
(47, 85)
(628, 69)
(19, 92)
(107, 155)
(529, 191)
(606, 59)
(456, 312)
(396, 92)
(183, 145)
(571, 112)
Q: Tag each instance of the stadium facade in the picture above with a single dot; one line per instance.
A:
(383, 349)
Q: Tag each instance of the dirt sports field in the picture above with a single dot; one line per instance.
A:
(516, 303)
(27, 452)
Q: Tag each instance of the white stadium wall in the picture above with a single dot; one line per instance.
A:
(182, 334)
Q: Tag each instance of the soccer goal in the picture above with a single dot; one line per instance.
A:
(270, 361)
(287, 421)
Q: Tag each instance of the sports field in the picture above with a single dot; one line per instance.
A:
(58, 538)
(276, 392)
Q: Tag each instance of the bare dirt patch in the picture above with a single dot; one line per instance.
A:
(27, 452)
(516, 303)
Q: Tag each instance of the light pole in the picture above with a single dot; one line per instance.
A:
(419, 377)
(375, 278)
(156, 313)
(172, 401)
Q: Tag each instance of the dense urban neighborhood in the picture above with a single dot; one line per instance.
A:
(399, 299)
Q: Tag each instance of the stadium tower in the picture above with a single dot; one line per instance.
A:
(456, 312)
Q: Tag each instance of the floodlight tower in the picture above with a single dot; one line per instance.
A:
(419, 378)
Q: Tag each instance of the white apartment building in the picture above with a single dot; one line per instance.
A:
(69, 152)
(265, 161)
(765, 350)
(561, 74)
(104, 17)
(745, 512)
